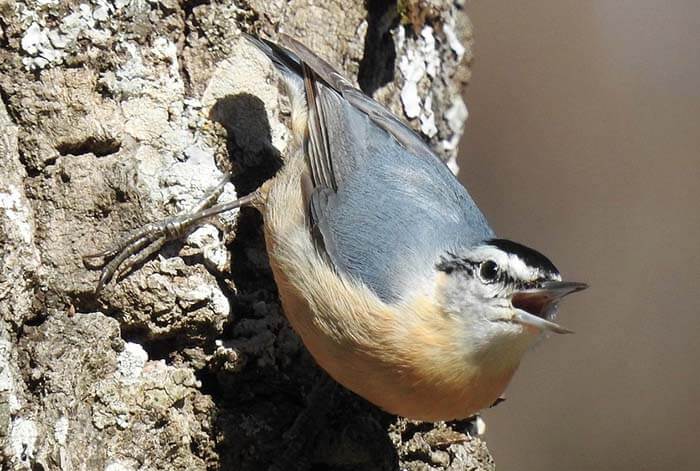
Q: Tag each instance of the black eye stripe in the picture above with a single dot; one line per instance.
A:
(452, 263)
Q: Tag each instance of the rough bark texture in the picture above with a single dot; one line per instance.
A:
(116, 113)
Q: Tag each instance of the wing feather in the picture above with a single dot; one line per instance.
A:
(318, 149)
(381, 116)
(381, 205)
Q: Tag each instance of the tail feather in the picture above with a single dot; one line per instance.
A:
(284, 60)
(290, 68)
(288, 61)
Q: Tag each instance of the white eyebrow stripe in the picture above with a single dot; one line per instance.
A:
(512, 264)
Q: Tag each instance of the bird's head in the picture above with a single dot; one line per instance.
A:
(501, 289)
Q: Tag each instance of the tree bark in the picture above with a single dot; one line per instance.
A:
(117, 113)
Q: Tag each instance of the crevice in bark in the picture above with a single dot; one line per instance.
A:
(377, 65)
(99, 146)
(157, 348)
(6, 101)
(187, 7)
(190, 27)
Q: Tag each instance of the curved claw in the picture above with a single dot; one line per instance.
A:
(140, 244)
(105, 277)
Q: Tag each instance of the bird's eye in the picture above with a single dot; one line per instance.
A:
(488, 271)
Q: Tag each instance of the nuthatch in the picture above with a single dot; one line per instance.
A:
(385, 266)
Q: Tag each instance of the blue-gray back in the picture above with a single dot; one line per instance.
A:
(383, 205)
(394, 213)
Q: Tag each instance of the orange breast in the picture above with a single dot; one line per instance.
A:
(412, 375)
(403, 359)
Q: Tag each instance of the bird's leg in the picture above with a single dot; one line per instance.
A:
(142, 243)
(131, 252)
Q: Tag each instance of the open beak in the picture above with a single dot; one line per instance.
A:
(537, 307)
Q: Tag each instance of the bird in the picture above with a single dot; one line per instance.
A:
(385, 266)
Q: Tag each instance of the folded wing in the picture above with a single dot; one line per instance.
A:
(382, 205)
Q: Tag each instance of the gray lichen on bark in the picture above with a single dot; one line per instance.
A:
(116, 113)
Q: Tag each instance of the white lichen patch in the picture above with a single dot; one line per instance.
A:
(113, 412)
(23, 436)
(209, 242)
(186, 183)
(427, 118)
(138, 76)
(33, 39)
(48, 41)
(412, 67)
(428, 50)
(131, 77)
(8, 387)
(145, 118)
(198, 293)
(119, 466)
(164, 49)
(130, 363)
(119, 4)
(60, 430)
(452, 39)
(418, 63)
(479, 426)
(14, 208)
(455, 116)
(423, 61)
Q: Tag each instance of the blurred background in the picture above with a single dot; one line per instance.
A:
(584, 141)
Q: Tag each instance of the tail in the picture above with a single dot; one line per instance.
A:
(292, 59)
(288, 64)
(290, 69)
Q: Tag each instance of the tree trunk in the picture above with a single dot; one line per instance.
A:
(117, 113)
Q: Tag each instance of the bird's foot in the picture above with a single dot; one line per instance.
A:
(142, 243)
